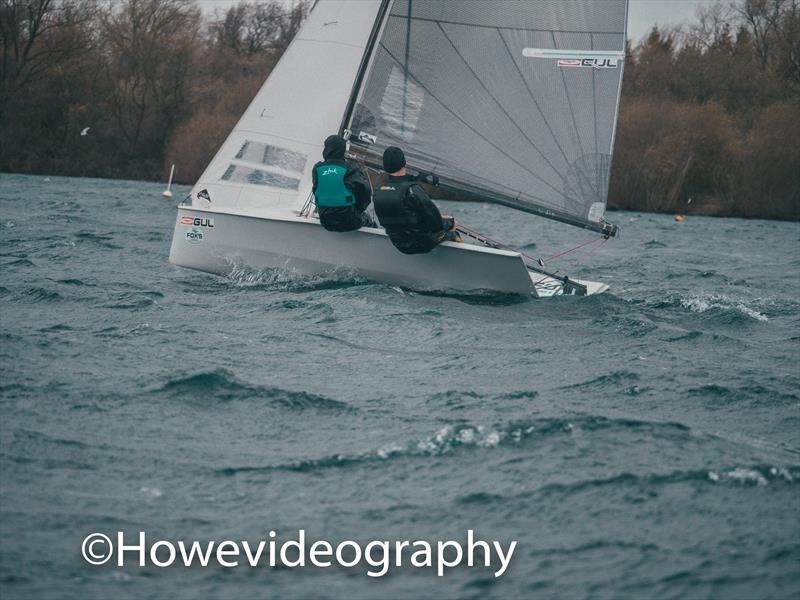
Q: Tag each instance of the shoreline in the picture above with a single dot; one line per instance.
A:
(700, 208)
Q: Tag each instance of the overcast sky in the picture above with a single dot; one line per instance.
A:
(642, 16)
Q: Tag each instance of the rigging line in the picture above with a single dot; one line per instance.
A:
(530, 92)
(592, 251)
(594, 96)
(565, 279)
(475, 131)
(511, 28)
(569, 99)
(582, 258)
(477, 235)
(578, 247)
(485, 238)
(543, 278)
(306, 206)
(575, 125)
(496, 101)
(371, 187)
(405, 68)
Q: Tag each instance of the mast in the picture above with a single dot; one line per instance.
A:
(362, 68)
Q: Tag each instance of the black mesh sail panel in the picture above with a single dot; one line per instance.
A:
(514, 100)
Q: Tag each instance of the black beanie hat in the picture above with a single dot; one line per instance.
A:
(393, 159)
(334, 147)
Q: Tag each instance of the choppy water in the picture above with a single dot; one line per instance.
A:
(642, 443)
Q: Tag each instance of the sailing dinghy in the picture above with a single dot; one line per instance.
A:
(512, 103)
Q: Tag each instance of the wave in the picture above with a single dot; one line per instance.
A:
(636, 327)
(134, 300)
(288, 280)
(58, 327)
(17, 262)
(220, 385)
(758, 394)
(758, 475)
(685, 337)
(75, 282)
(479, 297)
(519, 395)
(101, 240)
(452, 439)
(615, 378)
(480, 498)
(320, 312)
(38, 294)
(718, 306)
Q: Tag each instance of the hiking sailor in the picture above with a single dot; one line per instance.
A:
(341, 191)
(411, 219)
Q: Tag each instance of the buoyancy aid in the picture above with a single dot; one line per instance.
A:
(331, 190)
(392, 208)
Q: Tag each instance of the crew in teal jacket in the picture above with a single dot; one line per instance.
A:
(341, 190)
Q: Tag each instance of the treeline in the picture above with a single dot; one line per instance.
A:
(710, 115)
(709, 120)
(117, 89)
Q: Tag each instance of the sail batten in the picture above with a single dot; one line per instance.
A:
(517, 100)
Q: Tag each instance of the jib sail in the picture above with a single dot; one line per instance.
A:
(513, 101)
(265, 164)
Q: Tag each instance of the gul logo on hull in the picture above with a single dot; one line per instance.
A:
(197, 222)
(194, 236)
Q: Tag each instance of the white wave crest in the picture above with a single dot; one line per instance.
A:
(705, 302)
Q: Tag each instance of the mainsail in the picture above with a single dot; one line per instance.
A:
(265, 164)
(515, 102)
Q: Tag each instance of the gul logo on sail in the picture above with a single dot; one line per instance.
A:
(595, 63)
(593, 59)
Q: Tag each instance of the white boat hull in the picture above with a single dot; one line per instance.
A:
(218, 242)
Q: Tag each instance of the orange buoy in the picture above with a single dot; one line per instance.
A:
(679, 218)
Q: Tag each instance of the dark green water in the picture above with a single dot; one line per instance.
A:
(644, 443)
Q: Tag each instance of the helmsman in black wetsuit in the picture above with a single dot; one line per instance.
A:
(341, 191)
(411, 219)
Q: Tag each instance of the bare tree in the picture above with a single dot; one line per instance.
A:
(37, 35)
(291, 24)
(761, 17)
(251, 28)
(227, 31)
(148, 46)
(713, 25)
(775, 29)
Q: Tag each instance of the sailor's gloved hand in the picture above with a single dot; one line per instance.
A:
(427, 178)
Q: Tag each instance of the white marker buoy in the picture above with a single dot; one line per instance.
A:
(167, 193)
